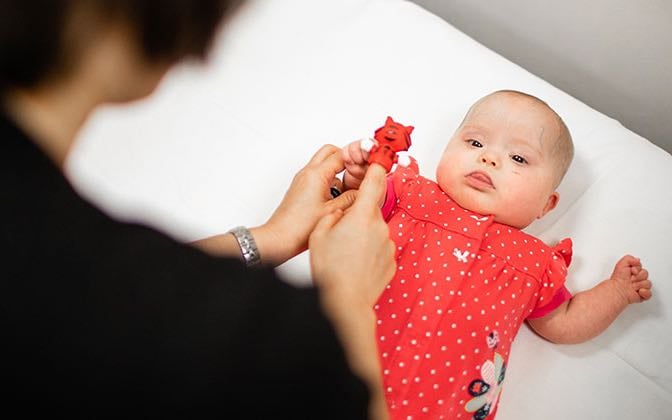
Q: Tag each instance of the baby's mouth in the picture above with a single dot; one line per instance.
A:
(480, 180)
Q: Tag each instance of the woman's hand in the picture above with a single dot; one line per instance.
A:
(307, 200)
(351, 251)
(352, 259)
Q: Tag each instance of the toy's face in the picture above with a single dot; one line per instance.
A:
(394, 135)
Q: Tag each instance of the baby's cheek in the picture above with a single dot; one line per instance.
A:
(517, 210)
(445, 177)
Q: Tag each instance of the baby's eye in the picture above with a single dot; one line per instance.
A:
(519, 159)
(474, 143)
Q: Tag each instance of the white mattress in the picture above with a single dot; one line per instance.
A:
(217, 145)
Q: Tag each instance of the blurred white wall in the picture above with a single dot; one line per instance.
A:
(614, 55)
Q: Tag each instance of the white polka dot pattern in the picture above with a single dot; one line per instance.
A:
(461, 281)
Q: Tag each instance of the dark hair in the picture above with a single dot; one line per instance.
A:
(32, 32)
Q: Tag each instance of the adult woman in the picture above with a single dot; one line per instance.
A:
(102, 318)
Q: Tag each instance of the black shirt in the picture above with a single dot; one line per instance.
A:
(101, 318)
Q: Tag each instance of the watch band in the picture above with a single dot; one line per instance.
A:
(248, 247)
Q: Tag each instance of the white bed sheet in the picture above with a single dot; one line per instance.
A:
(290, 75)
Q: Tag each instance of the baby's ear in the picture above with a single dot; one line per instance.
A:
(552, 202)
(409, 129)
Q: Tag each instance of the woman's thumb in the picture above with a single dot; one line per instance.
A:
(373, 186)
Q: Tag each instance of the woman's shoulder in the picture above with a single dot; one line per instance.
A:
(49, 227)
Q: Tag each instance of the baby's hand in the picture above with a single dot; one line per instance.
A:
(631, 279)
(356, 163)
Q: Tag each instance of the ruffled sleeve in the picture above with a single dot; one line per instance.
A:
(553, 292)
(397, 181)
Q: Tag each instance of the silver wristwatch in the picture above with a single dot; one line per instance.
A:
(247, 245)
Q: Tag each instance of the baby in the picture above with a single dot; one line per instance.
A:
(467, 275)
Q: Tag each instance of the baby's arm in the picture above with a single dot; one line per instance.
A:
(590, 312)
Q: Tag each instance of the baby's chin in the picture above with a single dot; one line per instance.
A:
(518, 224)
(467, 201)
(482, 204)
(472, 204)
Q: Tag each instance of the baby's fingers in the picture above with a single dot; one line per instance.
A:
(644, 284)
(361, 156)
(627, 261)
(644, 294)
(643, 274)
(354, 154)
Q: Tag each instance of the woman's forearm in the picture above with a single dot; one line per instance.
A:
(355, 326)
(271, 250)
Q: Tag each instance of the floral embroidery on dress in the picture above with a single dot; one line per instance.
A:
(493, 340)
(487, 389)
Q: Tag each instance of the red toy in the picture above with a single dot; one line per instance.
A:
(391, 139)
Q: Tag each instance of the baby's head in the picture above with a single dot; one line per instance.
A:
(507, 158)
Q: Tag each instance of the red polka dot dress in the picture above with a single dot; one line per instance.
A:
(463, 287)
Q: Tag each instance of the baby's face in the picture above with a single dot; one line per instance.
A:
(499, 161)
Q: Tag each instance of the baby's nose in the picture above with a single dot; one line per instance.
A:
(487, 160)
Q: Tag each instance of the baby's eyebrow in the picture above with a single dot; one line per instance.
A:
(471, 127)
(529, 146)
